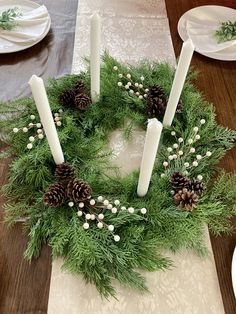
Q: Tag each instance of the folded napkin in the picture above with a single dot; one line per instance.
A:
(31, 26)
(203, 36)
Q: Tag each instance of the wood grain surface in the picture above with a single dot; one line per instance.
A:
(24, 287)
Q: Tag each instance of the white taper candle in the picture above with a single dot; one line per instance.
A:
(151, 144)
(43, 107)
(179, 79)
(95, 43)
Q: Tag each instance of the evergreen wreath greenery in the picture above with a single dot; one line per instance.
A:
(83, 135)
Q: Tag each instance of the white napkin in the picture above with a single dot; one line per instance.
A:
(31, 26)
(202, 36)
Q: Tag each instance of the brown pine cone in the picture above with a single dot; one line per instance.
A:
(55, 195)
(82, 101)
(186, 199)
(196, 186)
(67, 98)
(79, 87)
(156, 101)
(64, 172)
(78, 190)
(178, 181)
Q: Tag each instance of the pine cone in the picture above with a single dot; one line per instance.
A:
(67, 98)
(82, 101)
(78, 190)
(55, 195)
(196, 186)
(64, 172)
(156, 100)
(178, 181)
(79, 87)
(186, 199)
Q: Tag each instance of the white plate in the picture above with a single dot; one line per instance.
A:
(233, 271)
(209, 13)
(25, 6)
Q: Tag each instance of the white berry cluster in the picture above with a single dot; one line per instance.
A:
(133, 88)
(37, 125)
(96, 210)
(181, 151)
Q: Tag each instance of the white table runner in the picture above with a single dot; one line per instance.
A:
(133, 30)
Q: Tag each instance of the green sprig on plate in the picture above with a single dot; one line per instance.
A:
(226, 32)
(7, 18)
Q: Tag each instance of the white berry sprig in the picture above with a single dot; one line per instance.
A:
(38, 127)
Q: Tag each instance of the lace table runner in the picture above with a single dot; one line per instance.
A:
(133, 30)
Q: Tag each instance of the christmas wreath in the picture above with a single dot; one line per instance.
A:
(89, 214)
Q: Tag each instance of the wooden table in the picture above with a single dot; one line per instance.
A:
(24, 287)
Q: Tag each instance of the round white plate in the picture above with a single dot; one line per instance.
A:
(25, 6)
(233, 271)
(209, 13)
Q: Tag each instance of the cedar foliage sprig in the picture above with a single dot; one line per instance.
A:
(7, 18)
(83, 135)
(226, 32)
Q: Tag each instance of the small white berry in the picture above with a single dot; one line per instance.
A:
(185, 172)
(115, 68)
(92, 202)
(57, 119)
(109, 206)
(170, 157)
(165, 163)
(172, 192)
(162, 175)
(136, 84)
(119, 84)
(173, 133)
(60, 111)
(141, 97)
(202, 121)
(192, 150)
(41, 136)
(25, 129)
(123, 208)
(190, 141)
(145, 95)
(199, 157)
(79, 213)
(195, 129)
(58, 123)
(93, 217)
(142, 78)
(131, 210)
(111, 228)
(29, 146)
(85, 225)
(15, 130)
(169, 149)
(137, 93)
(128, 76)
(180, 139)
(101, 216)
(114, 210)
(143, 210)
(195, 163)
(197, 137)
(208, 154)
(120, 75)
(186, 164)
(31, 125)
(175, 145)
(71, 204)
(131, 91)
(100, 225)
(181, 153)
(31, 138)
(105, 202)
(100, 198)
(129, 83)
(81, 205)
(116, 238)
(87, 216)
(38, 125)
(175, 156)
(126, 86)
(146, 90)
(32, 117)
(39, 131)
(200, 177)
(117, 202)
(140, 85)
